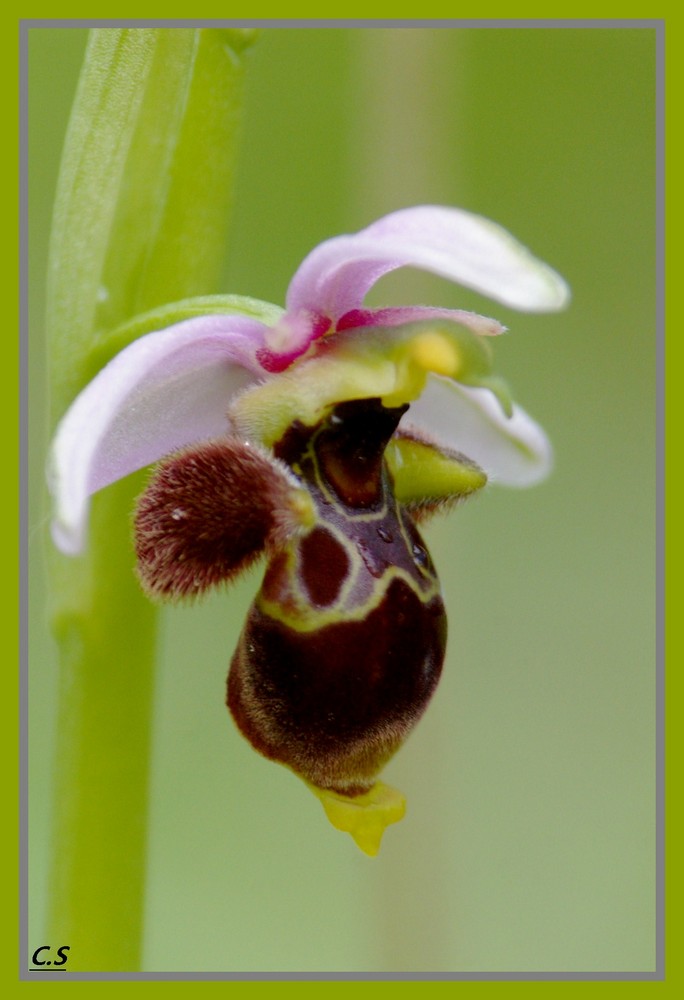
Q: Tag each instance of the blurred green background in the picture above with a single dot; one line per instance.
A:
(529, 842)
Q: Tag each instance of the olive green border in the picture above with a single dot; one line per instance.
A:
(79, 15)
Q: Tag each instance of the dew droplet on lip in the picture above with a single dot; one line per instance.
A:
(420, 555)
(386, 535)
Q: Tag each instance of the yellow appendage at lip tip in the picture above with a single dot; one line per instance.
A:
(365, 817)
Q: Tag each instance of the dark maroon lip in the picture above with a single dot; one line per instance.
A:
(334, 700)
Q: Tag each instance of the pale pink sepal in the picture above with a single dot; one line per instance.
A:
(513, 451)
(166, 390)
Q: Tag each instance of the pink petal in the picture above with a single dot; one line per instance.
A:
(455, 244)
(166, 390)
(512, 451)
(395, 316)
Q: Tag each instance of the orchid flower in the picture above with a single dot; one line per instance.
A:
(319, 435)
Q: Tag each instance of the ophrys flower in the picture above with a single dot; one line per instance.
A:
(318, 434)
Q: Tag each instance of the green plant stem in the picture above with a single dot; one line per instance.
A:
(106, 635)
(140, 219)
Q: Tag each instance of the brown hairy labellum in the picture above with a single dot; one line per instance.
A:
(343, 646)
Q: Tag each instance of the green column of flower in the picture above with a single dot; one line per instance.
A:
(140, 219)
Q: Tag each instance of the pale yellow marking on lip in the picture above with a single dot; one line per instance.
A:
(307, 618)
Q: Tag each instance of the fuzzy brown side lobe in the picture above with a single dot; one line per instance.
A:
(207, 514)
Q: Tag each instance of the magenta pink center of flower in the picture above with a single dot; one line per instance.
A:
(277, 361)
(359, 317)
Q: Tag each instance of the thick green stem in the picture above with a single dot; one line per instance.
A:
(106, 636)
(140, 219)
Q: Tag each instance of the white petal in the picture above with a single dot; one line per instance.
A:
(512, 451)
(455, 244)
(166, 390)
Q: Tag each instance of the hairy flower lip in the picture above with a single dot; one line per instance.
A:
(173, 387)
